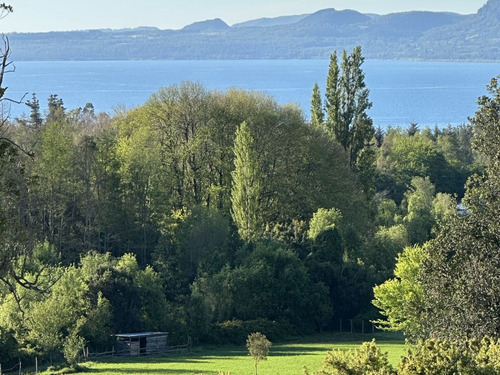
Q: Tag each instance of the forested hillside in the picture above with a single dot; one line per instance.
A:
(211, 214)
(409, 35)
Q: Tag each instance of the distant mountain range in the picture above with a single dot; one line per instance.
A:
(410, 35)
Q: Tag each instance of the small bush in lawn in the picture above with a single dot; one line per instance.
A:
(258, 347)
(365, 360)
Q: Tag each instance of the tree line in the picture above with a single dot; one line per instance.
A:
(213, 214)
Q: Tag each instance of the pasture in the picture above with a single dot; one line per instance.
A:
(285, 358)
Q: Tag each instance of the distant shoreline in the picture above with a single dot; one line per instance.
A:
(414, 36)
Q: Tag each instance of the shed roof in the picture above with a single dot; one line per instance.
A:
(140, 334)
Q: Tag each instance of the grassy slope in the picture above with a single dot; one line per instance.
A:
(284, 358)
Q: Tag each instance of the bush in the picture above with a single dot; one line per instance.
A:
(441, 357)
(365, 360)
(73, 346)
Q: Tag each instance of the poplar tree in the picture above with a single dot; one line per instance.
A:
(317, 115)
(332, 97)
(246, 187)
(347, 103)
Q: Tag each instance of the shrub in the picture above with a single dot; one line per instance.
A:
(365, 360)
(73, 345)
(442, 357)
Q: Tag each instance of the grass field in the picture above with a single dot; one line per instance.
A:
(287, 358)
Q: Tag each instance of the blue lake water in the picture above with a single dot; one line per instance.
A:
(402, 92)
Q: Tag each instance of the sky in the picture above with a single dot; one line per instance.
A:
(63, 15)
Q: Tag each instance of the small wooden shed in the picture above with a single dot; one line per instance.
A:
(142, 343)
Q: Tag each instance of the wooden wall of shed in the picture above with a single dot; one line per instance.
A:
(156, 344)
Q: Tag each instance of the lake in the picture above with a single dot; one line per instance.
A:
(402, 92)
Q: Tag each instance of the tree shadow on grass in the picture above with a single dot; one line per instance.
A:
(295, 351)
(141, 370)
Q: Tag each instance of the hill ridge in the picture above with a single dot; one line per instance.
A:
(405, 35)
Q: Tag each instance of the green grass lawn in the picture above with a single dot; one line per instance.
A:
(287, 358)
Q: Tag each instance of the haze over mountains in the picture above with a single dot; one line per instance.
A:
(410, 35)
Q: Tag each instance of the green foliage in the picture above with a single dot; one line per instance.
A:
(258, 347)
(387, 213)
(347, 103)
(460, 279)
(317, 115)
(332, 97)
(365, 360)
(323, 220)
(36, 119)
(55, 189)
(236, 331)
(98, 327)
(152, 191)
(402, 157)
(419, 220)
(199, 242)
(51, 319)
(444, 207)
(437, 357)
(388, 242)
(246, 187)
(72, 348)
(56, 109)
(270, 283)
(400, 299)
(9, 347)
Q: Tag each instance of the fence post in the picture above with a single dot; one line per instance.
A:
(373, 329)
(20, 366)
(36, 365)
(352, 326)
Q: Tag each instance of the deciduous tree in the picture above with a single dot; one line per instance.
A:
(458, 281)
(258, 347)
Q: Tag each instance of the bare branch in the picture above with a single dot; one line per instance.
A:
(29, 153)
(5, 10)
(20, 101)
(4, 64)
(13, 291)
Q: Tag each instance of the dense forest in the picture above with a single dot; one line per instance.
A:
(213, 214)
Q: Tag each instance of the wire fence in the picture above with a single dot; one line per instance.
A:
(16, 368)
(32, 367)
(127, 352)
(344, 326)
(356, 326)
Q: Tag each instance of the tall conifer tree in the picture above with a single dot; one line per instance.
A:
(246, 188)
